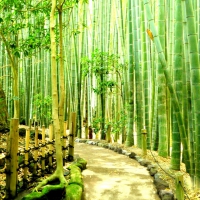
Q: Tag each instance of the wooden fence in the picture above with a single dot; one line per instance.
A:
(25, 163)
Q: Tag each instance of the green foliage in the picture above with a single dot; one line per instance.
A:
(42, 106)
(102, 64)
(2, 107)
(14, 20)
(96, 124)
(103, 86)
(119, 124)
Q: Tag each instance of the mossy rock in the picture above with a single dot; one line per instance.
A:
(81, 163)
(75, 175)
(74, 192)
(50, 192)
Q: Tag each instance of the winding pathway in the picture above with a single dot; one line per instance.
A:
(112, 176)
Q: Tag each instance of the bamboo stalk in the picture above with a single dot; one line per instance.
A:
(14, 136)
(64, 141)
(71, 135)
(50, 145)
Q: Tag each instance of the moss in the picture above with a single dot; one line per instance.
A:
(50, 192)
(74, 192)
(73, 189)
(81, 163)
(75, 175)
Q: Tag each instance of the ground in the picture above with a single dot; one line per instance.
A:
(113, 176)
(110, 173)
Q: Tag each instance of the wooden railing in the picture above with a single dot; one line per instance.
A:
(25, 163)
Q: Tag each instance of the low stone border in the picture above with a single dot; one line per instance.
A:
(73, 190)
(162, 186)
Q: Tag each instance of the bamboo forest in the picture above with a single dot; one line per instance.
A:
(121, 69)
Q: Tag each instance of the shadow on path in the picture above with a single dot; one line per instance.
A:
(112, 176)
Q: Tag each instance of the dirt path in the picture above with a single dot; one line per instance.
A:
(112, 176)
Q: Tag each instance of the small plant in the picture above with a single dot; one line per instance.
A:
(119, 124)
(96, 124)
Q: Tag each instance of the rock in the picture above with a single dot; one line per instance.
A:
(160, 183)
(90, 142)
(105, 146)
(124, 152)
(115, 149)
(77, 140)
(83, 140)
(150, 166)
(132, 155)
(74, 191)
(100, 144)
(138, 158)
(96, 143)
(81, 163)
(152, 169)
(127, 153)
(166, 195)
(119, 151)
(112, 148)
(145, 163)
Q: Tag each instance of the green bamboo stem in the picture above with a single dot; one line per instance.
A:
(170, 85)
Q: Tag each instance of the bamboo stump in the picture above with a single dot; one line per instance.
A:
(179, 186)
(144, 142)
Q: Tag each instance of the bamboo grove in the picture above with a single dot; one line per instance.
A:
(123, 66)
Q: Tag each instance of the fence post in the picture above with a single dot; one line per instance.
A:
(144, 142)
(14, 137)
(26, 157)
(179, 186)
(35, 152)
(43, 149)
(71, 135)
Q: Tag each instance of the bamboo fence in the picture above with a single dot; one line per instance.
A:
(35, 158)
